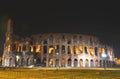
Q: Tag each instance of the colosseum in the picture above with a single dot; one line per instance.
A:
(56, 50)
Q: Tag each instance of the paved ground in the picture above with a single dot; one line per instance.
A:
(76, 68)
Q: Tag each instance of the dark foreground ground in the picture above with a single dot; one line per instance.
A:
(59, 73)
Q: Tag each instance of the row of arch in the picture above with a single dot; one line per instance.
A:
(51, 62)
(70, 49)
(78, 63)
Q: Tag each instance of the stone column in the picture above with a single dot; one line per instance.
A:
(47, 61)
(60, 53)
(42, 52)
(72, 61)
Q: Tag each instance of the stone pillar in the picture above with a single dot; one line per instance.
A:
(59, 62)
(60, 53)
(83, 47)
(42, 52)
(72, 61)
(47, 54)
(78, 65)
(47, 61)
(88, 63)
(83, 62)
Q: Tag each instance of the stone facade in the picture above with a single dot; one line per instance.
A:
(56, 50)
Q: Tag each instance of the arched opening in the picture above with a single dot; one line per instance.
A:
(69, 50)
(86, 63)
(96, 63)
(16, 46)
(99, 51)
(109, 52)
(103, 50)
(31, 48)
(75, 50)
(104, 63)
(91, 63)
(27, 62)
(81, 63)
(44, 62)
(34, 48)
(38, 48)
(91, 51)
(69, 62)
(57, 63)
(107, 63)
(63, 62)
(10, 64)
(86, 50)
(51, 49)
(75, 63)
(19, 49)
(57, 49)
(63, 49)
(17, 60)
(96, 51)
(22, 61)
(38, 62)
(81, 48)
(101, 63)
(69, 42)
(45, 49)
(50, 62)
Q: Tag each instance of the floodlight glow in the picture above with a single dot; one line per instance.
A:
(17, 58)
(104, 55)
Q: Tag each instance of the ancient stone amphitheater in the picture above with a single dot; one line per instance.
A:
(59, 50)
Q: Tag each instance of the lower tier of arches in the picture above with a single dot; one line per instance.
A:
(62, 62)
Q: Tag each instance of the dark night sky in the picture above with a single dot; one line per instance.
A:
(102, 20)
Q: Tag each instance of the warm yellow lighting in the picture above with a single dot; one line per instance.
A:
(71, 50)
(99, 50)
(31, 48)
(117, 61)
(16, 43)
(86, 49)
(63, 60)
(55, 47)
(50, 61)
(38, 49)
(3, 57)
(0, 59)
(109, 52)
(8, 48)
(76, 49)
(81, 48)
(8, 37)
(91, 51)
(18, 49)
(103, 50)
(51, 50)
(17, 58)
